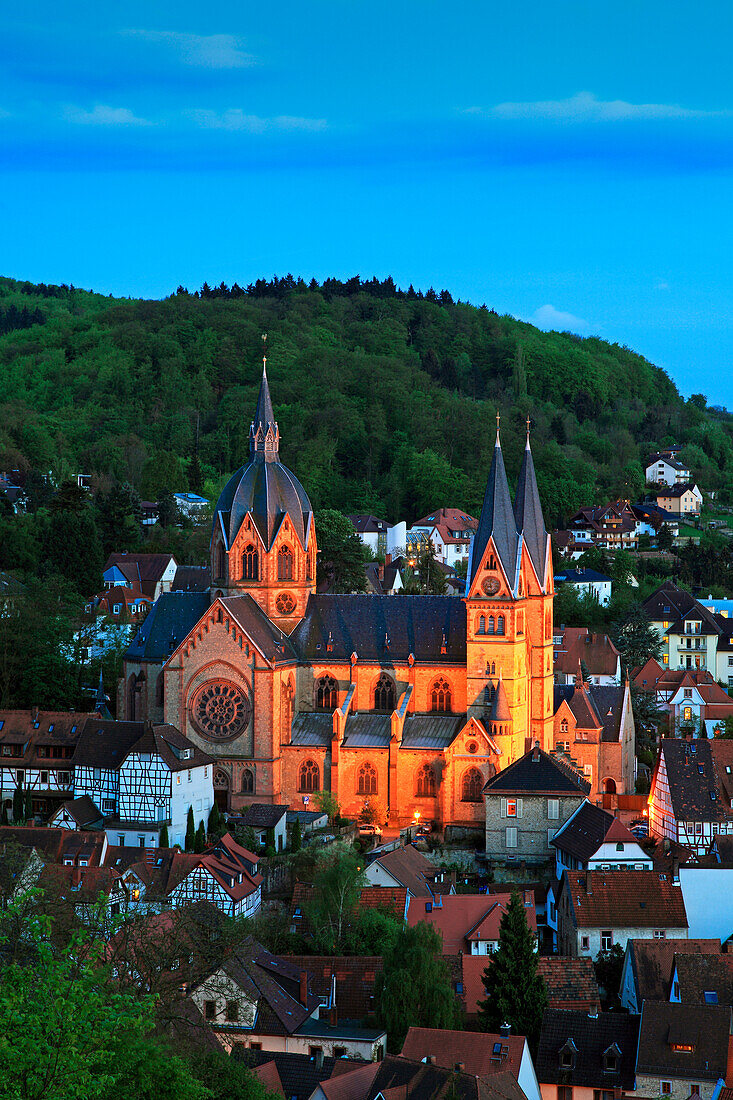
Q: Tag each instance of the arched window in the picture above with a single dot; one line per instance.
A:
(564, 726)
(248, 781)
(221, 560)
(473, 781)
(384, 693)
(482, 624)
(440, 696)
(367, 780)
(309, 778)
(500, 624)
(520, 622)
(426, 781)
(285, 564)
(491, 624)
(327, 693)
(286, 710)
(250, 563)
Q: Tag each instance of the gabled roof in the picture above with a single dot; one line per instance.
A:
(694, 784)
(83, 811)
(705, 979)
(571, 983)
(582, 835)
(105, 744)
(600, 705)
(706, 1028)
(365, 524)
(169, 620)
(623, 899)
(537, 773)
(355, 975)
(400, 1078)
(592, 1036)
(465, 918)
(169, 744)
(475, 1050)
(261, 815)
(268, 638)
(597, 652)
(652, 962)
(497, 522)
(528, 515)
(299, 1074)
(143, 570)
(410, 868)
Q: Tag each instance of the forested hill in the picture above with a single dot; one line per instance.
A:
(386, 399)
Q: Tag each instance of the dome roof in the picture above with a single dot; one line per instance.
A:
(265, 488)
(269, 491)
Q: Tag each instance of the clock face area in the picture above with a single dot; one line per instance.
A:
(490, 586)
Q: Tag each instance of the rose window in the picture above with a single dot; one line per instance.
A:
(285, 603)
(220, 711)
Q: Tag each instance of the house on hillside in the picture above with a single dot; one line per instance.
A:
(664, 468)
(684, 501)
(381, 536)
(587, 582)
(36, 751)
(575, 646)
(151, 574)
(690, 632)
(598, 909)
(451, 532)
(527, 803)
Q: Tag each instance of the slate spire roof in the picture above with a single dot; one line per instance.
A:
(497, 520)
(264, 434)
(500, 711)
(528, 515)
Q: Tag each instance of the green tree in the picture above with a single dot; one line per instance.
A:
(18, 805)
(215, 826)
(338, 883)
(635, 638)
(327, 804)
(199, 840)
(371, 813)
(414, 988)
(190, 830)
(28, 806)
(296, 837)
(121, 518)
(168, 513)
(665, 540)
(195, 475)
(429, 572)
(519, 374)
(163, 841)
(341, 553)
(68, 1032)
(608, 966)
(515, 990)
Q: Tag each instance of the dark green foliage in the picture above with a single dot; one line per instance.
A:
(4, 814)
(228, 1078)
(168, 513)
(414, 989)
(190, 830)
(608, 966)
(270, 838)
(636, 639)
(383, 396)
(199, 842)
(515, 990)
(296, 839)
(28, 806)
(215, 826)
(339, 880)
(18, 806)
(341, 553)
(163, 841)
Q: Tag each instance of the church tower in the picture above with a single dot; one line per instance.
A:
(263, 542)
(509, 614)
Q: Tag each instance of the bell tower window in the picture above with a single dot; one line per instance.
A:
(250, 563)
(285, 564)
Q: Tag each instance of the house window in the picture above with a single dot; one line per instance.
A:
(471, 787)
(327, 695)
(309, 776)
(426, 781)
(665, 1087)
(255, 1046)
(511, 807)
(604, 1094)
(565, 1092)
(660, 934)
(285, 564)
(585, 943)
(232, 1012)
(710, 997)
(313, 1051)
(367, 779)
(500, 624)
(339, 1052)
(687, 714)
(108, 805)
(44, 777)
(250, 563)
(511, 837)
(384, 694)
(553, 809)
(121, 840)
(209, 1010)
(440, 696)
(141, 841)
(606, 940)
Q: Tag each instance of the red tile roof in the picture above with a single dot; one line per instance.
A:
(460, 917)
(410, 869)
(597, 652)
(474, 1049)
(571, 983)
(652, 962)
(355, 975)
(624, 899)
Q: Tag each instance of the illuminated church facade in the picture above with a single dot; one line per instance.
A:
(412, 701)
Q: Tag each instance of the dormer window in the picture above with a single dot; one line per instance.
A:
(612, 1058)
(568, 1055)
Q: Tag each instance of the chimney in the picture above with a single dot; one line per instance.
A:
(460, 1067)
(380, 572)
(333, 1016)
(536, 752)
(588, 881)
(304, 988)
(675, 872)
(505, 1029)
(387, 559)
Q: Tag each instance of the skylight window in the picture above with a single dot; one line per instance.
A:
(710, 996)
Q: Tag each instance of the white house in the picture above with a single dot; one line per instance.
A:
(592, 838)
(191, 504)
(451, 532)
(690, 796)
(588, 582)
(665, 469)
(36, 752)
(381, 536)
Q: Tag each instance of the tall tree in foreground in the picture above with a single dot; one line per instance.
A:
(515, 990)
(414, 988)
(636, 639)
(341, 553)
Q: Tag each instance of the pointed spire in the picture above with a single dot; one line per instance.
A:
(500, 710)
(264, 434)
(102, 698)
(497, 518)
(528, 513)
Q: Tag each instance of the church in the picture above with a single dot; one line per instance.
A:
(412, 701)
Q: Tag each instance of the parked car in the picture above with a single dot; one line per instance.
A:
(369, 830)
(641, 832)
(425, 829)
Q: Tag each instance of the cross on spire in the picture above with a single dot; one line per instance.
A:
(498, 423)
(264, 350)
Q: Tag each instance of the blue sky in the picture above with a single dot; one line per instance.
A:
(569, 163)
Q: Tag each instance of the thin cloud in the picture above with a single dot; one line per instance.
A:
(586, 107)
(236, 119)
(547, 317)
(661, 286)
(207, 51)
(102, 115)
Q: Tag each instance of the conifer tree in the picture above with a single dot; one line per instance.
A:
(28, 806)
(163, 841)
(17, 805)
(214, 826)
(190, 830)
(199, 842)
(515, 991)
(4, 815)
(296, 838)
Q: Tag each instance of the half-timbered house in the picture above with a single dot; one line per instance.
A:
(689, 802)
(36, 751)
